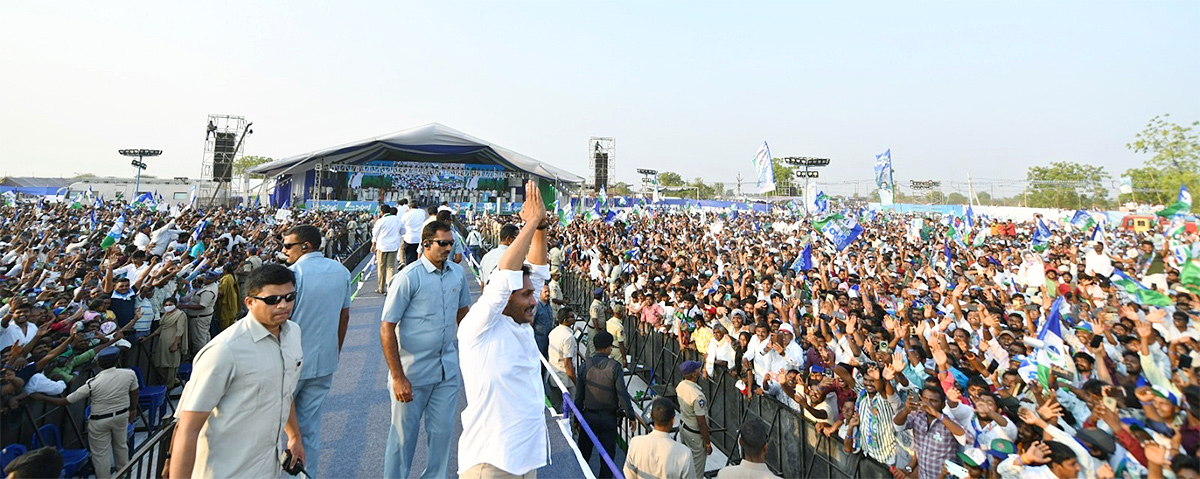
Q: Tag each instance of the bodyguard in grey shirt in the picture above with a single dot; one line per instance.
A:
(425, 302)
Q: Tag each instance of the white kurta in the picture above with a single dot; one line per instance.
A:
(504, 424)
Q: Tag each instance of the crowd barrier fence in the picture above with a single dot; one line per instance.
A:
(796, 448)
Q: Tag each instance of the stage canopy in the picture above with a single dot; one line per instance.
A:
(432, 143)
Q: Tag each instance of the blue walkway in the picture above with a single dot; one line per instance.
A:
(357, 412)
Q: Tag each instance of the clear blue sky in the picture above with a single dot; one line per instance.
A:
(985, 88)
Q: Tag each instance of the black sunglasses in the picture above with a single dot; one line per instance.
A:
(290, 245)
(275, 299)
(442, 243)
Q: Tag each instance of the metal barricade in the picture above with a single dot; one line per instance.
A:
(147, 461)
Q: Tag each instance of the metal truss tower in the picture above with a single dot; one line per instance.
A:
(602, 162)
(222, 145)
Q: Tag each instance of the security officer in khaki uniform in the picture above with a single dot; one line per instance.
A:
(693, 407)
(596, 316)
(114, 394)
(656, 455)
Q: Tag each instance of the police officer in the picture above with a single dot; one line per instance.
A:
(114, 394)
(597, 314)
(693, 407)
(656, 455)
(602, 398)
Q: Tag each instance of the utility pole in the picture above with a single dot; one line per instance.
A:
(739, 187)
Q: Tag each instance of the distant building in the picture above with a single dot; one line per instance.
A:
(35, 186)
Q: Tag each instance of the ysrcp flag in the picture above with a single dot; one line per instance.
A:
(1183, 204)
(883, 177)
(766, 173)
(842, 232)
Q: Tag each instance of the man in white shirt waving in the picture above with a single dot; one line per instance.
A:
(504, 427)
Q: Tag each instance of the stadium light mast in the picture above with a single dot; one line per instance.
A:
(807, 162)
(648, 176)
(924, 185)
(138, 164)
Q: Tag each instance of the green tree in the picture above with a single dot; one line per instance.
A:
(241, 165)
(1175, 159)
(956, 198)
(670, 178)
(984, 198)
(621, 189)
(784, 183)
(1064, 184)
(703, 190)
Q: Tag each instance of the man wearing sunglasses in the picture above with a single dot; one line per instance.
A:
(322, 310)
(425, 302)
(240, 393)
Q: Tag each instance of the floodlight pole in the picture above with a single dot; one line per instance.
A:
(807, 162)
(138, 164)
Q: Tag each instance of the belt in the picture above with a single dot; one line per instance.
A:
(606, 411)
(106, 416)
(685, 426)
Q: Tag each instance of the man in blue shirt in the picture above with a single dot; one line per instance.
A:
(425, 302)
(322, 310)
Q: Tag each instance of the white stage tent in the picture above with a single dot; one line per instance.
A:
(434, 142)
(431, 143)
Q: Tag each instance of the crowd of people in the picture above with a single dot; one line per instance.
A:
(937, 349)
(934, 348)
(87, 287)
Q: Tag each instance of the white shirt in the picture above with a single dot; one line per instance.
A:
(488, 263)
(719, 351)
(131, 271)
(15, 334)
(386, 234)
(1097, 263)
(563, 348)
(503, 425)
(141, 241)
(413, 220)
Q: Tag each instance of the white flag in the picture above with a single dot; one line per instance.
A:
(766, 173)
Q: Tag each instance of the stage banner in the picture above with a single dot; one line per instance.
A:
(330, 205)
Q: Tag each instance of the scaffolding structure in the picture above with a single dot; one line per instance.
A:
(602, 162)
(223, 139)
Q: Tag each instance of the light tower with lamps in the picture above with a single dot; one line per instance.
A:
(807, 162)
(649, 176)
(138, 164)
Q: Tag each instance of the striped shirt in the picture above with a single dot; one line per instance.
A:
(876, 435)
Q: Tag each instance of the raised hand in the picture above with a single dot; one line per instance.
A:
(889, 373)
(954, 395)
(1155, 453)
(939, 356)
(1038, 453)
(1126, 311)
(532, 210)
(1050, 411)
(1156, 315)
(898, 360)
(1145, 330)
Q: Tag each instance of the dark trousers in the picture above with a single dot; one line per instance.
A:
(410, 253)
(604, 424)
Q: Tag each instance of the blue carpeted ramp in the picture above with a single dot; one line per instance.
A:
(357, 412)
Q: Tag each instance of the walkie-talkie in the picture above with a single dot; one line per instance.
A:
(294, 469)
